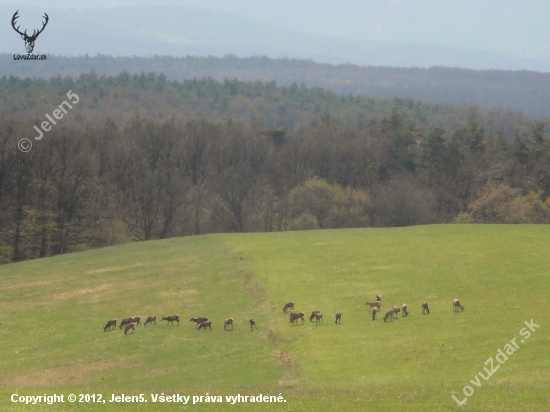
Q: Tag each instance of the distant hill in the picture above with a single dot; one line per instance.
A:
(522, 91)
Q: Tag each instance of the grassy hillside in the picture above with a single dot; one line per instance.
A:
(52, 311)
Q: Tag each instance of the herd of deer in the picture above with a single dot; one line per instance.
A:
(204, 322)
(374, 306)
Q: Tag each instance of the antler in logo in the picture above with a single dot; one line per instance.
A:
(29, 40)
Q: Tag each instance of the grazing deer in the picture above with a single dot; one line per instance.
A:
(312, 316)
(111, 323)
(294, 316)
(252, 323)
(388, 315)
(198, 321)
(128, 327)
(125, 321)
(456, 305)
(288, 305)
(137, 319)
(338, 317)
(171, 319)
(205, 324)
(373, 305)
(378, 298)
(318, 317)
(228, 322)
(374, 312)
(29, 40)
(150, 319)
(425, 308)
(404, 310)
(395, 311)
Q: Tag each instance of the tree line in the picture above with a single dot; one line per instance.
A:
(85, 186)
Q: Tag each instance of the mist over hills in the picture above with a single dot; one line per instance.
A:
(412, 37)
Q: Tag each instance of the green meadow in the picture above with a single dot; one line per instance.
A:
(52, 312)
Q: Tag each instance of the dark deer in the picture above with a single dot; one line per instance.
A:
(198, 321)
(288, 305)
(456, 305)
(312, 316)
(228, 322)
(338, 317)
(205, 324)
(425, 308)
(150, 319)
(295, 316)
(388, 315)
(128, 327)
(171, 319)
(252, 323)
(111, 323)
(29, 40)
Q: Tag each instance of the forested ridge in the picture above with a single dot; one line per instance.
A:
(190, 164)
(521, 90)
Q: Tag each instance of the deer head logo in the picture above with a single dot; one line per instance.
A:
(29, 40)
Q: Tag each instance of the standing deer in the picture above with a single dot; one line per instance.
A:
(425, 308)
(395, 311)
(374, 312)
(171, 319)
(378, 298)
(228, 322)
(318, 317)
(150, 319)
(456, 305)
(29, 40)
(128, 327)
(312, 316)
(404, 311)
(373, 304)
(294, 316)
(205, 324)
(338, 317)
(252, 323)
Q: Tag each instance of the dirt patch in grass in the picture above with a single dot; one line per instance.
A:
(283, 360)
(179, 293)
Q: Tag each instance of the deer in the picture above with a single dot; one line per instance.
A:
(404, 311)
(171, 319)
(198, 321)
(228, 322)
(137, 319)
(378, 298)
(125, 321)
(318, 318)
(294, 316)
(395, 311)
(312, 316)
(338, 318)
(111, 323)
(456, 305)
(29, 40)
(288, 305)
(373, 305)
(388, 315)
(205, 324)
(252, 323)
(425, 308)
(128, 327)
(374, 312)
(150, 319)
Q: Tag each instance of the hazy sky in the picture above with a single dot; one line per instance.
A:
(511, 27)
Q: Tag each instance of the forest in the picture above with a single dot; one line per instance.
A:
(140, 157)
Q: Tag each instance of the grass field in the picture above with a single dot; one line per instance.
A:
(52, 312)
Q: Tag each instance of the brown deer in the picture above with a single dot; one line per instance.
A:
(137, 319)
(456, 305)
(125, 321)
(388, 315)
(252, 323)
(395, 311)
(294, 316)
(171, 319)
(338, 318)
(318, 317)
(128, 327)
(404, 310)
(378, 298)
(111, 323)
(288, 305)
(228, 322)
(373, 305)
(29, 40)
(205, 324)
(150, 319)
(198, 321)
(312, 316)
(425, 308)
(374, 312)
